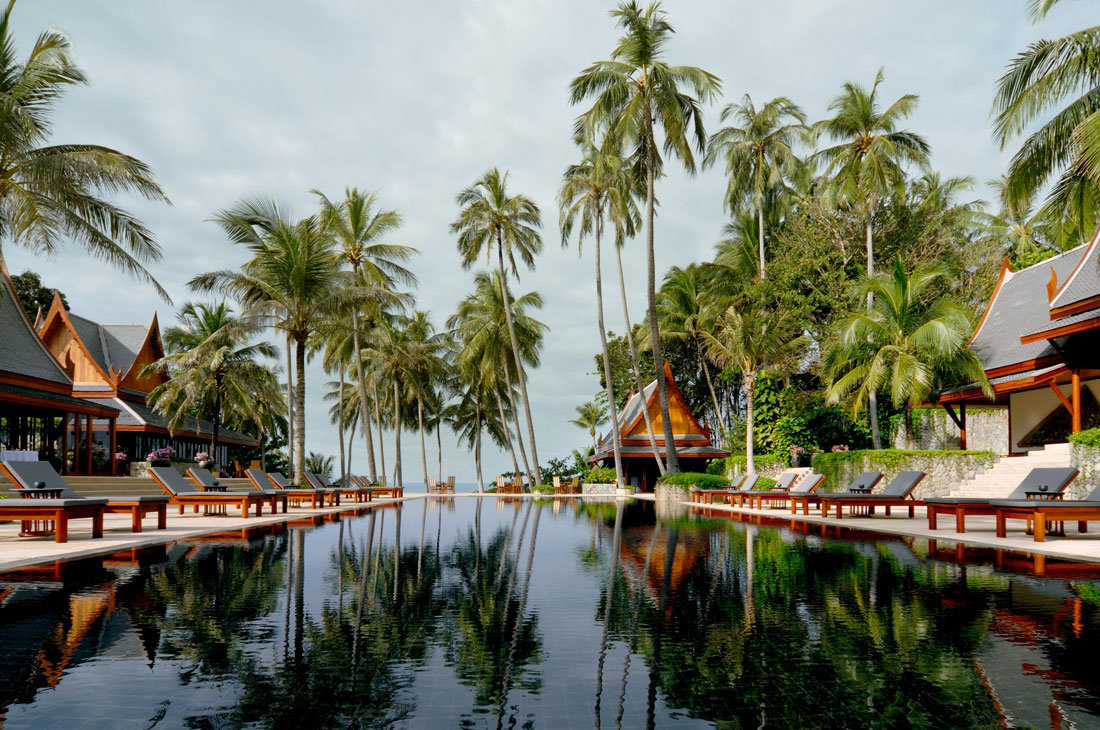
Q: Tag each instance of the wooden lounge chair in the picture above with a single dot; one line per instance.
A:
(780, 497)
(897, 493)
(1042, 512)
(782, 483)
(276, 482)
(379, 491)
(709, 495)
(183, 493)
(451, 485)
(208, 483)
(58, 511)
(352, 490)
(26, 474)
(1053, 479)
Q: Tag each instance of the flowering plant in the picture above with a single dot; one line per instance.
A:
(202, 456)
(166, 453)
(120, 456)
(839, 448)
(796, 451)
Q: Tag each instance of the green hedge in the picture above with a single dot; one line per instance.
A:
(829, 465)
(694, 479)
(1090, 437)
(760, 461)
(600, 475)
(544, 488)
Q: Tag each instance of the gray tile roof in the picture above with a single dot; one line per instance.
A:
(1005, 379)
(21, 351)
(63, 402)
(1088, 316)
(1084, 281)
(1020, 307)
(140, 414)
(110, 344)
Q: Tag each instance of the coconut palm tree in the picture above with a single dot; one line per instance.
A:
(635, 92)
(1016, 226)
(910, 344)
(492, 219)
(54, 194)
(1054, 79)
(212, 369)
(426, 350)
(590, 416)
(594, 191)
(867, 163)
(289, 283)
(393, 356)
(357, 225)
(759, 154)
(756, 337)
(320, 465)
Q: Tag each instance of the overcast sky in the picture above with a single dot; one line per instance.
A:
(417, 99)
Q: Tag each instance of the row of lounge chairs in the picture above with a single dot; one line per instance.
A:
(45, 497)
(1031, 501)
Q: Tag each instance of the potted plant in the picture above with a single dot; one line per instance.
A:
(161, 457)
(121, 467)
(205, 460)
(799, 457)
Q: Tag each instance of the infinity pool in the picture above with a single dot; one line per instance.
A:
(492, 613)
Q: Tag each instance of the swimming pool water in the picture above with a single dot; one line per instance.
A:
(468, 612)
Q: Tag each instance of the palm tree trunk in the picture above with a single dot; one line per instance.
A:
(289, 407)
(638, 385)
(423, 449)
(397, 480)
(612, 411)
(439, 450)
(872, 400)
(351, 439)
(515, 419)
(340, 430)
(760, 237)
(361, 383)
(477, 448)
(750, 389)
(710, 387)
(672, 460)
(507, 434)
(378, 422)
(299, 409)
(217, 422)
(519, 362)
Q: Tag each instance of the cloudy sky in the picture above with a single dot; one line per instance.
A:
(417, 99)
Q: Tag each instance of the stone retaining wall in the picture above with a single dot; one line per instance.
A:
(1087, 459)
(986, 430)
(945, 471)
(597, 488)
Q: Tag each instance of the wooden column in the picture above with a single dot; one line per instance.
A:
(962, 426)
(88, 444)
(114, 448)
(1076, 395)
(76, 443)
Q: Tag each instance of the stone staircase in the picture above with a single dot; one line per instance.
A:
(1006, 474)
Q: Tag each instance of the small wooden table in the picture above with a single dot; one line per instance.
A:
(214, 510)
(37, 528)
(1056, 528)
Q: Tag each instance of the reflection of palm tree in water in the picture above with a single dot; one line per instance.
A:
(613, 569)
(519, 613)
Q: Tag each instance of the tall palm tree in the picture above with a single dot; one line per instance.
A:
(212, 368)
(635, 92)
(594, 191)
(357, 225)
(868, 163)
(426, 350)
(759, 154)
(393, 356)
(1055, 80)
(54, 194)
(288, 284)
(756, 337)
(491, 218)
(909, 344)
(1016, 226)
(590, 416)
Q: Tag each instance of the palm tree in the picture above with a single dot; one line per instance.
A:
(1016, 226)
(376, 267)
(635, 92)
(490, 218)
(592, 191)
(868, 163)
(393, 356)
(320, 465)
(910, 344)
(288, 283)
(212, 369)
(426, 350)
(1056, 78)
(755, 337)
(590, 416)
(53, 194)
(759, 154)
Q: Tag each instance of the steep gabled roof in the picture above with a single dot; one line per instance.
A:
(1079, 291)
(21, 352)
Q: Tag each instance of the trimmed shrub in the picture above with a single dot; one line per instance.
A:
(545, 488)
(831, 464)
(764, 484)
(694, 479)
(1090, 438)
(600, 475)
(717, 467)
(761, 461)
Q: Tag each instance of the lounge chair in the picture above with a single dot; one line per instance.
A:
(354, 491)
(782, 483)
(273, 481)
(1041, 512)
(207, 483)
(379, 491)
(183, 493)
(780, 497)
(737, 485)
(1037, 480)
(897, 493)
(26, 474)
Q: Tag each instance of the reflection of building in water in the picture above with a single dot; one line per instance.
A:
(692, 439)
(661, 559)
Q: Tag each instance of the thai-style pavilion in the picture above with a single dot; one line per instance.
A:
(691, 438)
(1039, 343)
(39, 415)
(107, 364)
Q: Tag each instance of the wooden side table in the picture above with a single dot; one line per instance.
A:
(37, 528)
(1057, 527)
(215, 510)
